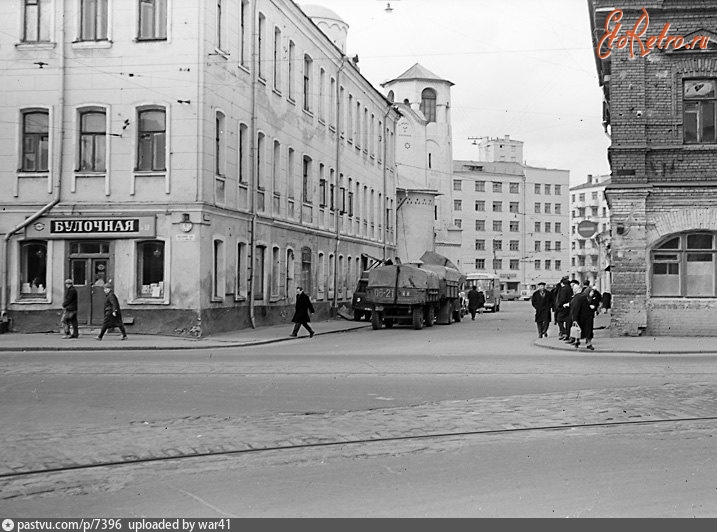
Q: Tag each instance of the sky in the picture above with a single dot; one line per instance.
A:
(524, 68)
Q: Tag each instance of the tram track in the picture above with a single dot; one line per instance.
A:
(254, 450)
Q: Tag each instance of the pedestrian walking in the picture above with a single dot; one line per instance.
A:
(542, 304)
(113, 313)
(476, 300)
(302, 314)
(582, 313)
(561, 307)
(69, 311)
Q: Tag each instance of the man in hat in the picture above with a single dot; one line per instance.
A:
(561, 307)
(69, 307)
(542, 303)
(113, 314)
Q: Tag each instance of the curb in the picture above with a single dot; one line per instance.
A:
(604, 350)
(129, 347)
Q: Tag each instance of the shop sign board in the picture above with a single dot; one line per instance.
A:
(67, 227)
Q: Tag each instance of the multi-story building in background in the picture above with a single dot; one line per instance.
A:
(205, 157)
(660, 111)
(515, 217)
(590, 232)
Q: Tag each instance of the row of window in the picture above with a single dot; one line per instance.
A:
(514, 264)
(513, 226)
(513, 187)
(92, 20)
(581, 212)
(513, 207)
(92, 146)
(581, 196)
(514, 245)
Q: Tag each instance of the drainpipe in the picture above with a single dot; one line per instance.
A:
(57, 167)
(335, 302)
(385, 172)
(252, 162)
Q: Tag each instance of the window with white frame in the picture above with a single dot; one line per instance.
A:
(258, 285)
(306, 180)
(261, 47)
(277, 59)
(35, 140)
(307, 88)
(220, 159)
(480, 186)
(152, 20)
(480, 245)
(514, 245)
(241, 271)
(480, 264)
(93, 20)
(150, 269)
(514, 188)
(290, 73)
(243, 154)
(497, 187)
(151, 140)
(260, 147)
(93, 140)
(700, 111)
(244, 33)
(276, 168)
(275, 271)
(37, 23)
(684, 266)
(480, 205)
(33, 269)
(218, 264)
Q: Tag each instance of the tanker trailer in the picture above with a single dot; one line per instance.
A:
(403, 293)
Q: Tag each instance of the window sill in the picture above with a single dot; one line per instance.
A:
(29, 300)
(276, 92)
(35, 45)
(240, 299)
(221, 53)
(91, 174)
(308, 113)
(83, 45)
(33, 174)
(157, 173)
(150, 39)
(148, 301)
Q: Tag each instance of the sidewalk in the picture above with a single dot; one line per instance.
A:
(143, 342)
(603, 343)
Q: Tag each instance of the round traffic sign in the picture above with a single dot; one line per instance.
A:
(587, 228)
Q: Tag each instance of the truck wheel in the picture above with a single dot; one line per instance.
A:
(358, 315)
(430, 316)
(418, 318)
(375, 320)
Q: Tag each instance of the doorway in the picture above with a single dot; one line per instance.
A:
(90, 271)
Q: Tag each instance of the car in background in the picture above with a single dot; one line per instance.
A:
(509, 295)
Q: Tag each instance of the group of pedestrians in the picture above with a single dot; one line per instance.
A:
(573, 306)
(112, 316)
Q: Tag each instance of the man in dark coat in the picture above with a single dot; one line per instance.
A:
(476, 300)
(542, 304)
(561, 307)
(594, 296)
(302, 314)
(113, 314)
(69, 314)
(582, 314)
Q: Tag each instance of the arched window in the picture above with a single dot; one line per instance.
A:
(684, 266)
(428, 104)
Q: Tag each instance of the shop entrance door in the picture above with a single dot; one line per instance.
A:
(90, 270)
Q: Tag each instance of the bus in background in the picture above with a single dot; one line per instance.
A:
(490, 284)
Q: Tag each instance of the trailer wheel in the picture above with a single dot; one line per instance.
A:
(375, 320)
(417, 318)
(430, 316)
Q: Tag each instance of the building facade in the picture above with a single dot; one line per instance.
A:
(424, 164)
(590, 245)
(205, 157)
(515, 217)
(660, 112)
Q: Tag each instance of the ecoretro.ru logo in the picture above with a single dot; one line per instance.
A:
(634, 37)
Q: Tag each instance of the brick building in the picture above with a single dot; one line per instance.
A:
(207, 157)
(660, 112)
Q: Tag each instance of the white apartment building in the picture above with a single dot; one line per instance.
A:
(590, 251)
(514, 217)
(205, 157)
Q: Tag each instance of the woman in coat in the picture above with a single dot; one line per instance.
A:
(113, 314)
(583, 314)
(302, 314)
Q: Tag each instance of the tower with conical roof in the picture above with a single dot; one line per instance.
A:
(424, 160)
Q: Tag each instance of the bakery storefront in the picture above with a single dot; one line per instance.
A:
(92, 251)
